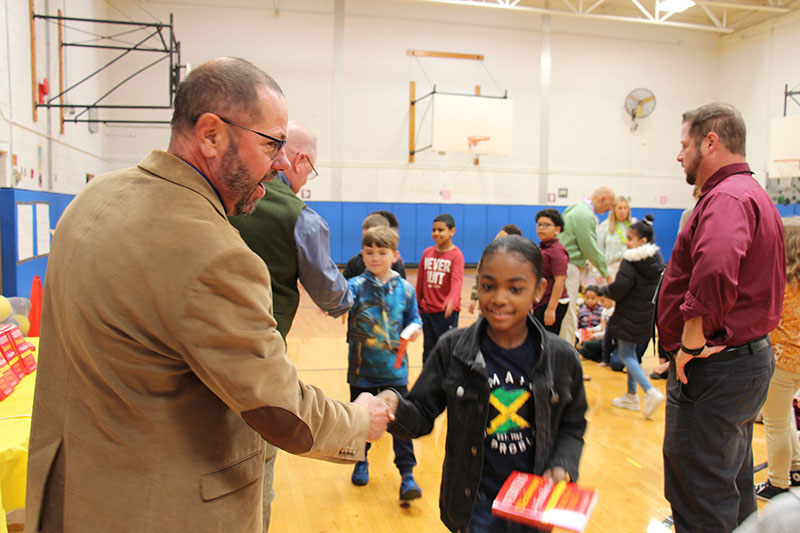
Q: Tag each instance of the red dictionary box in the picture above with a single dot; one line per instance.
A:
(25, 351)
(14, 346)
(539, 502)
(405, 336)
(11, 357)
(585, 334)
(8, 379)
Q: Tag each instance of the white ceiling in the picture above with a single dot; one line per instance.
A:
(721, 16)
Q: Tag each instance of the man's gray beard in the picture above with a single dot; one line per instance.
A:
(235, 177)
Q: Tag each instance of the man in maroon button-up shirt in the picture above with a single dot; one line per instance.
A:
(722, 291)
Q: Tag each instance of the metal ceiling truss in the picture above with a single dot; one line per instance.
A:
(590, 9)
(159, 40)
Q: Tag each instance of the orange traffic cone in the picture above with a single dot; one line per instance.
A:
(35, 316)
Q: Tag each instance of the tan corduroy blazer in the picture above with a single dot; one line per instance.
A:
(160, 369)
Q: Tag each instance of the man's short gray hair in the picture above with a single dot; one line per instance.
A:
(226, 86)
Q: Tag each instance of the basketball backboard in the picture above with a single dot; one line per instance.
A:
(784, 148)
(456, 118)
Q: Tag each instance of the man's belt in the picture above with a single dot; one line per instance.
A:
(732, 352)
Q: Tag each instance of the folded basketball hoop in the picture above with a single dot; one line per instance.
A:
(475, 147)
(474, 143)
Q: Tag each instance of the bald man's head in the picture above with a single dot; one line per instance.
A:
(602, 199)
(300, 139)
(301, 149)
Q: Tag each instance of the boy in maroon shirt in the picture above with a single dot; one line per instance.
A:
(550, 310)
(441, 271)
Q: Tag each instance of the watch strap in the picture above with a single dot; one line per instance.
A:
(692, 352)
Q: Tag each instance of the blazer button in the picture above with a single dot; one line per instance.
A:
(474, 451)
(460, 391)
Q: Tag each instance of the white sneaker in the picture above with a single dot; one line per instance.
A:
(627, 401)
(652, 400)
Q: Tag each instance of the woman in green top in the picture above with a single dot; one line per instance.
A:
(612, 233)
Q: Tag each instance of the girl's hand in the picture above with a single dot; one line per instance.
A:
(390, 398)
(415, 335)
(556, 474)
(549, 317)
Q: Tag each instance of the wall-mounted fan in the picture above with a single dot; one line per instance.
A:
(638, 104)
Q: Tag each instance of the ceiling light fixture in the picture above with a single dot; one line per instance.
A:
(675, 6)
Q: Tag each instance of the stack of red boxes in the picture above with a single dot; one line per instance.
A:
(16, 358)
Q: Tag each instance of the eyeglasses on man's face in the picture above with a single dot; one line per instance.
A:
(314, 172)
(272, 148)
(544, 225)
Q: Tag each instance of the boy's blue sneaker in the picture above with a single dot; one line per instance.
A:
(360, 475)
(409, 490)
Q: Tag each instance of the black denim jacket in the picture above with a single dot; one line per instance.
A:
(455, 377)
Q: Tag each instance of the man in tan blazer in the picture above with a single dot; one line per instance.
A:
(161, 373)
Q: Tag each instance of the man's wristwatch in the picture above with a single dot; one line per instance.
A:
(692, 352)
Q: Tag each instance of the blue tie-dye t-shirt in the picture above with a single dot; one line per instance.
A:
(379, 314)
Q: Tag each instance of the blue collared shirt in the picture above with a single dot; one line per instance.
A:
(317, 272)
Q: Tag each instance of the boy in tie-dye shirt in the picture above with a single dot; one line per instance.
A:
(384, 304)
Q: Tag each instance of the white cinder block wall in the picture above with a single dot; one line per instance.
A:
(51, 161)
(345, 72)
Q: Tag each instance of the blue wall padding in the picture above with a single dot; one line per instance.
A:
(18, 276)
(789, 210)
(476, 225)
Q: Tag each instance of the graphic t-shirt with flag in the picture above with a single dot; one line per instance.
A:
(508, 444)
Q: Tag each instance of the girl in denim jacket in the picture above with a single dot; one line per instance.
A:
(513, 393)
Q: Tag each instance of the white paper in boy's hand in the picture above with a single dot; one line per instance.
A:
(410, 330)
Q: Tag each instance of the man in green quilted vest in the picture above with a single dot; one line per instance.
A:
(294, 242)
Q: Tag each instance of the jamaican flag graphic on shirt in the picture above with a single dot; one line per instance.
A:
(507, 403)
(508, 429)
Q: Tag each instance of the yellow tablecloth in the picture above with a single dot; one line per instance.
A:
(15, 429)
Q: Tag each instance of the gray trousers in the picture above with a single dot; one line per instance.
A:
(708, 437)
(570, 323)
(269, 494)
